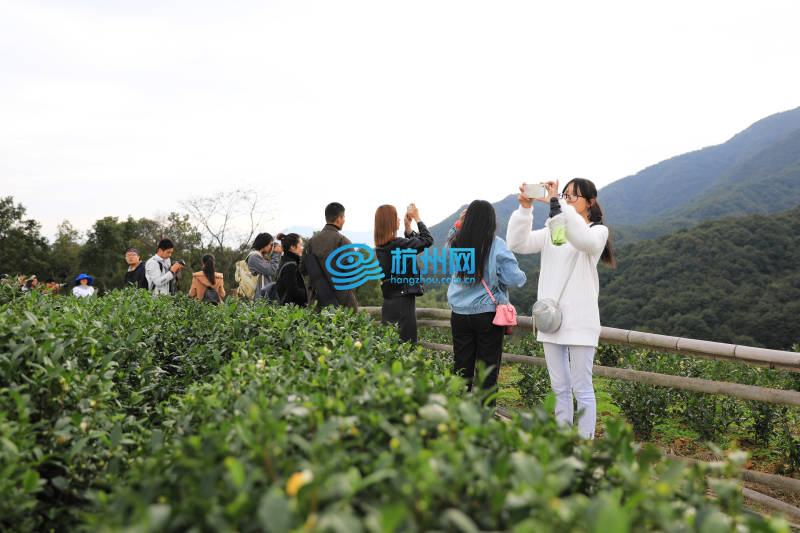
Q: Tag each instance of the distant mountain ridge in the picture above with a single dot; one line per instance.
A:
(661, 188)
(756, 171)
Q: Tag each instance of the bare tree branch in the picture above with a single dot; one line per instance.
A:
(236, 214)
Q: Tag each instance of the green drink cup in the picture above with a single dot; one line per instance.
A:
(558, 233)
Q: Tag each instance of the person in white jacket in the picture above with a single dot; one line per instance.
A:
(83, 286)
(159, 270)
(569, 351)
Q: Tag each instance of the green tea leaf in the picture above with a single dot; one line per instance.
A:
(116, 435)
(236, 470)
(30, 480)
(274, 513)
(461, 521)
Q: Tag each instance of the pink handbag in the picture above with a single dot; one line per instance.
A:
(505, 314)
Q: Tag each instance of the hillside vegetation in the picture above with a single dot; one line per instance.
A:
(731, 280)
(735, 280)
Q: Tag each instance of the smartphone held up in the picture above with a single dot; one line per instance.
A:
(535, 190)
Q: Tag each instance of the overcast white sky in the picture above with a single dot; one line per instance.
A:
(126, 107)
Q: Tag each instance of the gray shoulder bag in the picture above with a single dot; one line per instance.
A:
(546, 315)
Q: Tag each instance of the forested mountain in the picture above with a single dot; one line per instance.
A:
(765, 183)
(756, 171)
(661, 190)
(736, 279)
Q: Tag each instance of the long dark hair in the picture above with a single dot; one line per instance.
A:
(587, 189)
(262, 241)
(208, 268)
(477, 233)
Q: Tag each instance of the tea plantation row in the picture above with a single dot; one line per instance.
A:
(139, 414)
(720, 419)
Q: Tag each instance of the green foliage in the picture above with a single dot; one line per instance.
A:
(772, 173)
(731, 280)
(533, 385)
(610, 355)
(643, 405)
(369, 294)
(712, 417)
(79, 382)
(127, 412)
(102, 254)
(23, 250)
(65, 253)
(789, 444)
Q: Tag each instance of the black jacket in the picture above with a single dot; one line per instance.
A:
(321, 245)
(290, 284)
(136, 277)
(417, 241)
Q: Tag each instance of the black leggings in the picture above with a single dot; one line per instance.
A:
(401, 310)
(475, 339)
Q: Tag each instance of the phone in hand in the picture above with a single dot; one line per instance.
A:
(535, 190)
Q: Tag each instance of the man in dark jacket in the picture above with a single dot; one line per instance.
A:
(135, 275)
(321, 245)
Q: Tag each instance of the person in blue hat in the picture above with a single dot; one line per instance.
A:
(83, 286)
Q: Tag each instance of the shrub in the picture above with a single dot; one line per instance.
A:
(533, 384)
(643, 405)
(132, 413)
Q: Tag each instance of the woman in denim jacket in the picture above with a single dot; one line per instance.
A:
(475, 338)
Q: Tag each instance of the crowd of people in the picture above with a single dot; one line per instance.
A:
(276, 269)
(82, 286)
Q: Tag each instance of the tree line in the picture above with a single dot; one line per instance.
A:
(100, 250)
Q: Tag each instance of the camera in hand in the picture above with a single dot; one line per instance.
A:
(181, 262)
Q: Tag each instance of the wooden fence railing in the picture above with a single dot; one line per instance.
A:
(748, 355)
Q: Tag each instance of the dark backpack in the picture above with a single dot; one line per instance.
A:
(320, 283)
(271, 288)
(211, 296)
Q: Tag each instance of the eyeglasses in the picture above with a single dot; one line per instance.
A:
(570, 197)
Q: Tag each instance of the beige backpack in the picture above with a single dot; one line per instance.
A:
(246, 280)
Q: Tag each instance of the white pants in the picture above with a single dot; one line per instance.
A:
(570, 369)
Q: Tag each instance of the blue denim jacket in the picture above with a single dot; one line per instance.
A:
(501, 272)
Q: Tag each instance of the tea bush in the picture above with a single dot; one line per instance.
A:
(332, 440)
(82, 382)
(533, 384)
(132, 413)
(712, 417)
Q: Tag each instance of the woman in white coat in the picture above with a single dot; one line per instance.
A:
(571, 268)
